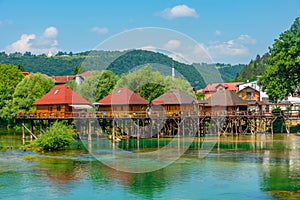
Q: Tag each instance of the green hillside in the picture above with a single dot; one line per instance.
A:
(120, 62)
(255, 68)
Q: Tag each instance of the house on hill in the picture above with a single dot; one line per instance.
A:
(254, 85)
(61, 101)
(122, 102)
(248, 93)
(224, 101)
(175, 102)
(214, 87)
(79, 78)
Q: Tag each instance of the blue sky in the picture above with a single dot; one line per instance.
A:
(230, 31)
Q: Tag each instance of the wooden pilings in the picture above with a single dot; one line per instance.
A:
(171, 126)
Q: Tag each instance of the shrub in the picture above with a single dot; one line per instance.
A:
(58, 137)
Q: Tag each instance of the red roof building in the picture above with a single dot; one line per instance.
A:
(214, 87)
(61, 99)
(122, 101)
(59, 80)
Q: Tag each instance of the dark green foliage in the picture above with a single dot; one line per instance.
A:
(58, 137)
(255, 68)
(151, 91)
(282, 78)
(136, 58)
(151, 84)
(78, 69)
(98, 85)
(219, 72)
(118, 62)
(29, 90)
(10, 76)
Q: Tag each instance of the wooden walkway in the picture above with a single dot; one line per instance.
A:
(161, 124)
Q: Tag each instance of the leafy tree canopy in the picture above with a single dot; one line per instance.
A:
(98, 85)
(10, 76)
(29, 90)
(78, 69)
(149, 84)
(282, 76)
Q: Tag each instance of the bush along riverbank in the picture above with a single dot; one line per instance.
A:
(58, 137)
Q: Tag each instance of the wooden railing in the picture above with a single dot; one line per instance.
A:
(122, 114)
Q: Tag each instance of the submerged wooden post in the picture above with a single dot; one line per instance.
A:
(31, 128)
(41, 126)
(23, 132)
(89, 130)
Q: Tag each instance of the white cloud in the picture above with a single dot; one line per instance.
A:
(23, 44)
(45, 43)
(246, 39)
(100, 30)
(5, 22)
(231, 49)
(172, 44)
(51, 32)
(179, 11)
(217, 33)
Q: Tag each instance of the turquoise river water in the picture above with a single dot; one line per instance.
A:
(244, 167)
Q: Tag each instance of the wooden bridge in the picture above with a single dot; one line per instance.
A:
(162, 124)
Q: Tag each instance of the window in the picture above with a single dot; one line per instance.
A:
(248, 94)
(50, 108)
(58, 108)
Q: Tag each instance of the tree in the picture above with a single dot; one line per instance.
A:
(282, 76)
(149, 84)
(10, 76)
(98, 85)
(78, 69)
(29, 90)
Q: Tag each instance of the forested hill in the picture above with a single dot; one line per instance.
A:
(119, 62)
(255, 68)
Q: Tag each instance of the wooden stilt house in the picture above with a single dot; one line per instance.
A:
(122, 102)
(175, 102)
(225, 102)
(61, 101)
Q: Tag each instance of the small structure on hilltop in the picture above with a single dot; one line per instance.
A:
(122, 102)
(61, 101)
(224, 101)
(175, 102)
(214, 87)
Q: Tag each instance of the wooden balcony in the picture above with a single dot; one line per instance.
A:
(157, 114)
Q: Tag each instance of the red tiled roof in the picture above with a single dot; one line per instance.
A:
(62, 79)
(123, 96)
(25, 73)
(212, 87)
(61, 95)
(86, 74)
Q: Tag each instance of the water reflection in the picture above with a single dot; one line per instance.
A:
(246, 167)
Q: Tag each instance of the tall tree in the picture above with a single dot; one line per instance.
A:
(283, 75)
(149, 84)
(10, 76)
(98, 85)
(29, 90)
(78, 69)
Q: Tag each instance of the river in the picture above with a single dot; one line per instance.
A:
(244, 167)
